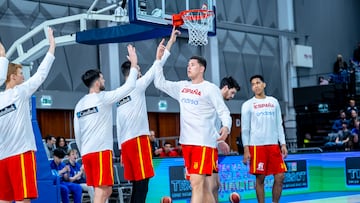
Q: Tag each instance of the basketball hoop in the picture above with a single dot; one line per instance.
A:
(198, 22)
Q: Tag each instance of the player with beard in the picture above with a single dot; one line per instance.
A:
(93, 127)
(228, 87)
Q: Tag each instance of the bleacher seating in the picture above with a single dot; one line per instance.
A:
(122, 188)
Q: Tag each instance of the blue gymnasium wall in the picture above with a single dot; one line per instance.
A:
(48, 186)
(325, 172)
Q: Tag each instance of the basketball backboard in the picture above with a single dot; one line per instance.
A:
(159, 12)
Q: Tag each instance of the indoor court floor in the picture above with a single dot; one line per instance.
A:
(321, 197)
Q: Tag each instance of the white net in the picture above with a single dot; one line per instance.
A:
(198, 23)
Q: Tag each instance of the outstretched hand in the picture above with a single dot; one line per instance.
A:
(2, 50)
(132, 56)
(173, 36)
(51, 40)
(160, 50)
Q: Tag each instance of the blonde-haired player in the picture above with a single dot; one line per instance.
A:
(17, 140)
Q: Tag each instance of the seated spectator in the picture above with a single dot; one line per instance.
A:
(323, 81)
(338, 123)
(353, 118)
(62, 145)
(340, 65)
(154, 145)
(351, 106)
(50, 141)
(60, 169)
(77, 174)
(342, 140)
(168, 151)
(354, 140)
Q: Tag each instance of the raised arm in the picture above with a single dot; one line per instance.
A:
(170, 88)
(173, 37)
(51, 41)
(130, 84)
(148, 77)
(42, 72)
(3, 64)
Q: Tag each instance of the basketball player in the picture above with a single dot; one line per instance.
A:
(200, 105)
(133, 131)
(3, 64)
(93, 127)
(228, 87)
(261, 131)
(17, 140)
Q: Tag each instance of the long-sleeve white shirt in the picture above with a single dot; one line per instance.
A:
(132, 120)
(200, 105)
(3, 69)
(261, 122)
(93, 117)
(16, 132)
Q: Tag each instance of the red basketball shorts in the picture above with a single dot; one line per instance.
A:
(18, 177)
(137, 158)
(99, 168)
(266, 160)
(198, 160)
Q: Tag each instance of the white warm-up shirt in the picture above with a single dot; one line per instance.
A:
(200, 105)
(16, 132)
(3, 69)
(132, 120)
(261, 122)
(93, 117)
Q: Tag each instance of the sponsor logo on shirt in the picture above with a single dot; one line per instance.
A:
(8, 109)
(265, 113)
(258, 106)
(191, 91)
(123, 101)
(189, 101)
(264, 109)
(87, 112)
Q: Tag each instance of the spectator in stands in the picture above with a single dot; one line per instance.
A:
(154, 145)
(50, 141)
(338, 123)
(353, 118)
(342, 139)
(62, 145)
(340, 73)
(354, 139)
(351, 106)
(356, 55)
(168, 151)
(62, 170)
(323, 81)
(77, 174)
(340, 65)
